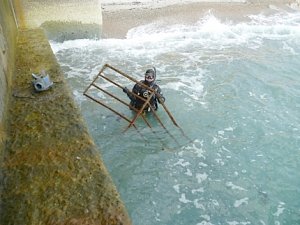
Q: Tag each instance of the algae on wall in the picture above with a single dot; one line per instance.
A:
(8, 34)
(53, 171)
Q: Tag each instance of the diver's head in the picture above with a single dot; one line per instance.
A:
(150, 75)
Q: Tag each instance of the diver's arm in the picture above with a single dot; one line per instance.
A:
(135, 90)
(129, 94)
(160, 98)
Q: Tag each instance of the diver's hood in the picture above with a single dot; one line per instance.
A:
(152, 71)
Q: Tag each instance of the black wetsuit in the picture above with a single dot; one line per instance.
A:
(144, 93)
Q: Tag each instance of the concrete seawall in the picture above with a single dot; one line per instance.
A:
(8, 34)
(61, 20)
(50, 169)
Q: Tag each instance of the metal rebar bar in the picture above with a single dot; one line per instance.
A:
(106, 106)
(96, 77)
(130, 106)
(138, 111)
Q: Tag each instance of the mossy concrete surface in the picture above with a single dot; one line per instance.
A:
(8, 34)
(53, 171)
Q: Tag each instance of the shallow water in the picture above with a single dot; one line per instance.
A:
(234, 88)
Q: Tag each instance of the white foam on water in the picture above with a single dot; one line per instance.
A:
(188, 172)
(182, 163)
(280, 209)
(206, 220)
(206, 217)
(78, 96)
(209, 31)
(201, 190)
(197, 150)
(177, 188)
(183, 199)
(201, 177)
(237, 223)
(243, 201)
(74, 44)
(205, 223)
(234, 187)
(151, 41)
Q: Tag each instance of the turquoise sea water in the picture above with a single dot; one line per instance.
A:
(234, 88)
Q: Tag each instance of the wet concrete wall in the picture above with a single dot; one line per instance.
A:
(50, 169)
(61, 19)
(8, 34)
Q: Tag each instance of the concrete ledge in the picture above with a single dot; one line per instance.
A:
(69, 19)
(61, 31)
(8, 35)
(53, 172)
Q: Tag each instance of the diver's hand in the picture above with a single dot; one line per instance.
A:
(161, 99)
(125, 90)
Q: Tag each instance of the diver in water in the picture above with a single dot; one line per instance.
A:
(143, 92)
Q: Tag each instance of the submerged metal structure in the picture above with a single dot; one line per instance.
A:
(103, 75)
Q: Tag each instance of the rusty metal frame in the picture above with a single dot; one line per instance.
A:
(139, 112)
